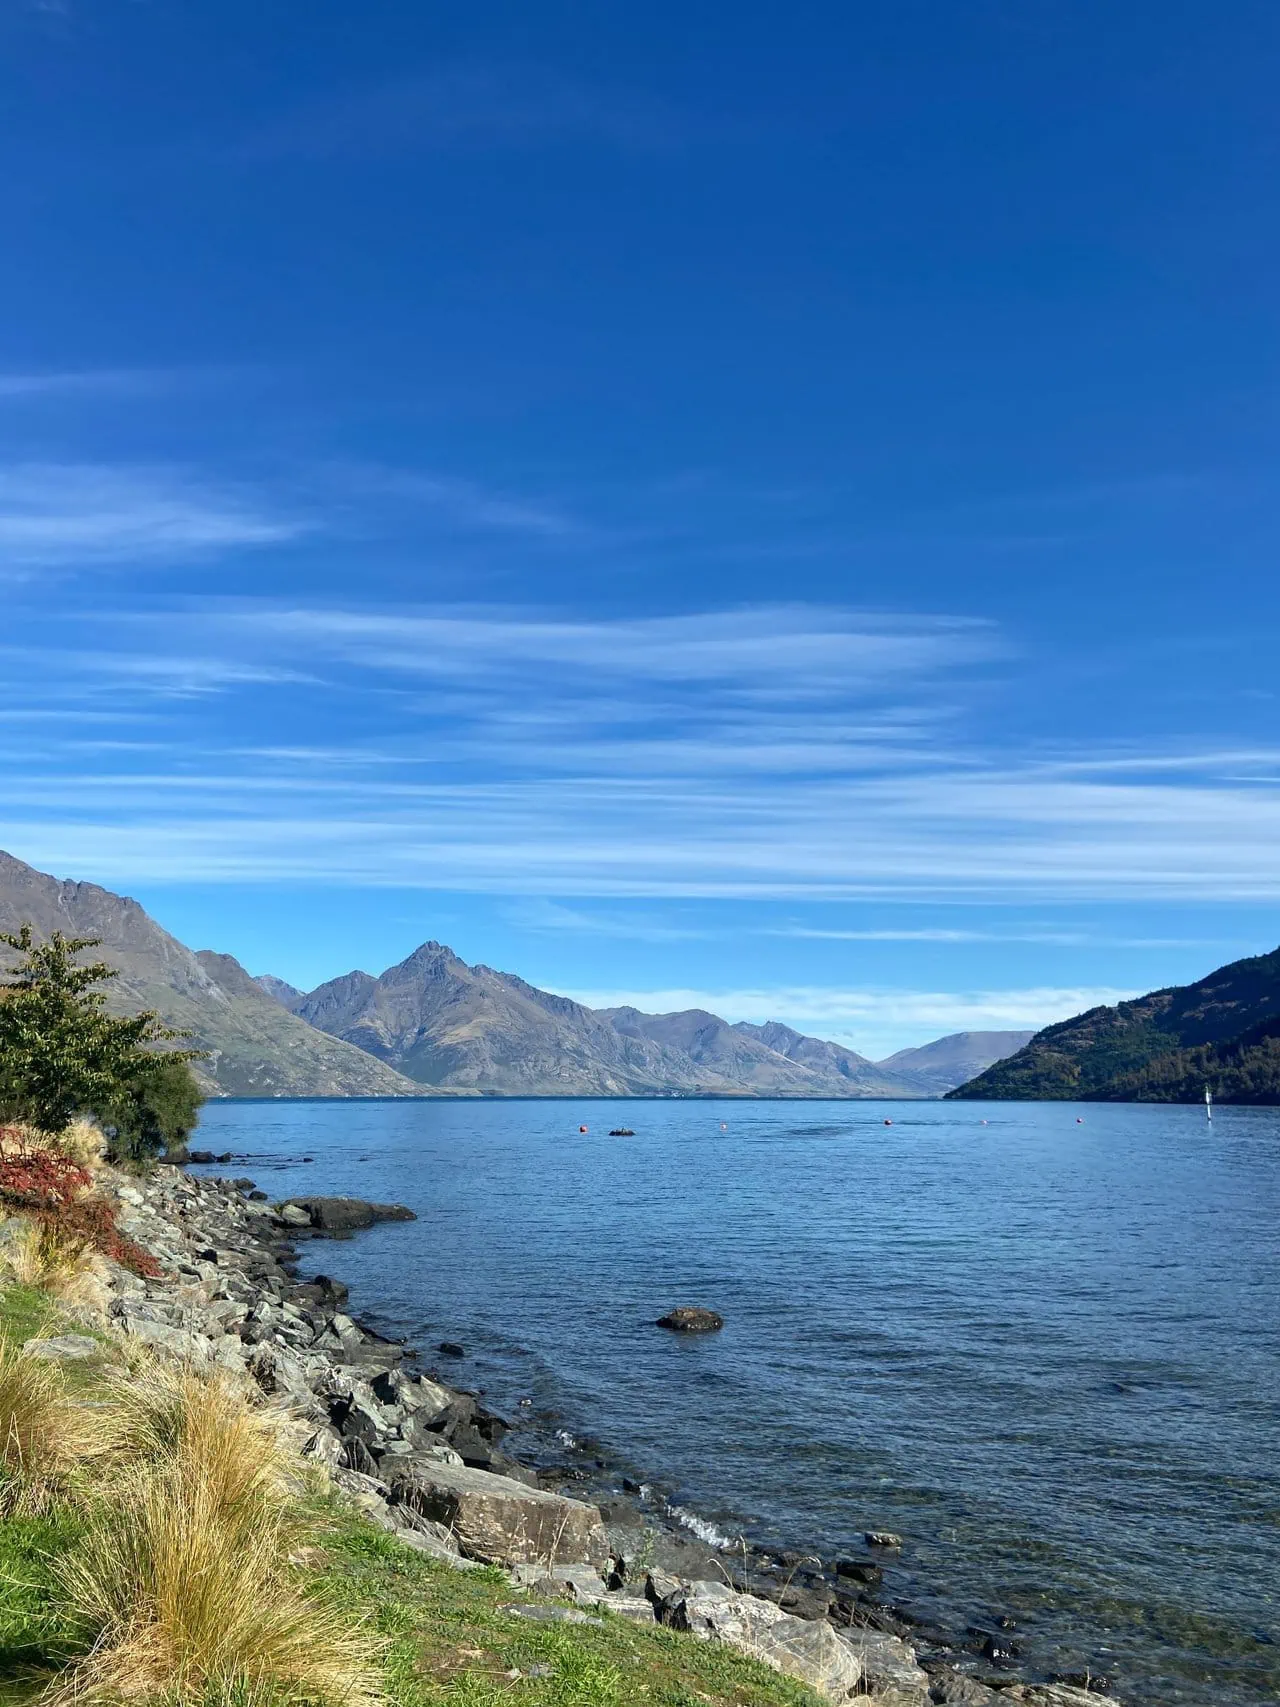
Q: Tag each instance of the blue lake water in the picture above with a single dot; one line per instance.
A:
(1047, 1354)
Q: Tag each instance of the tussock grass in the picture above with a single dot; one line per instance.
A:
(171, 1416)
(184, 1575)
(47, 1257)
(81, 1142)
(192, 1601)
(47, 1437)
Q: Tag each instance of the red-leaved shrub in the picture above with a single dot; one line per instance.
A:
(51, 1190)
(41, 1179)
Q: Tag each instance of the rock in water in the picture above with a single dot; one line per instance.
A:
(345, 1214)
(689, 1319)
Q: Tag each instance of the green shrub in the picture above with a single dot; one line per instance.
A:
(62, 1055)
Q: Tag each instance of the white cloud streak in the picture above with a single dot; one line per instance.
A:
(789, 752)
(463, 105)
(67, 514)
(105, 382)
(876, 1018)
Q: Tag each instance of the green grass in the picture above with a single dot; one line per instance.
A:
(34, 1636)
(449, 1640)
(24, 1313)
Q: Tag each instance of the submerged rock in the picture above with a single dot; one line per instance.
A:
(1053, 1695)
(342, 1214)
(691, 1319)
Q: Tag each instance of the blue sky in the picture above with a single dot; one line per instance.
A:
(763, 506)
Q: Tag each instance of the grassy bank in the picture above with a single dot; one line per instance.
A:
(159, 1547)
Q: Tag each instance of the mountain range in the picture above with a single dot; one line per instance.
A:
(434, 1025)
(451, 1026)
(1222, 1032)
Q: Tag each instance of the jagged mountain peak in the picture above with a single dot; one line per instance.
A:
(451, 1025)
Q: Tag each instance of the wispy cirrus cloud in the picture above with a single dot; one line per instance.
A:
(788, 752)
(105, 382)
(540, 914)
(113, 383)
(877, 1018)
(466, 505)
(63, 514)
(941, 934)
(796, 651)
(464, 104)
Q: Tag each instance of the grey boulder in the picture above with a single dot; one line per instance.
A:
(796, 1647)
(888, 1664)
(65, 1348)
(344, 1214)
(499, 1520)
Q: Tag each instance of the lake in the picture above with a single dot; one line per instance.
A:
(1046, 1353)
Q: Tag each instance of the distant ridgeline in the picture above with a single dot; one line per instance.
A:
(1223, 1032)
(434, 1026)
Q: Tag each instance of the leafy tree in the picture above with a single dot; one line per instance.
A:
(62, 1054)
(159, 1107)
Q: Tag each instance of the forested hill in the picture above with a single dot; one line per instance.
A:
(1223, 1031)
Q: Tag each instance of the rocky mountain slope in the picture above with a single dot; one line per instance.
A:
(256, 1047)
(447, 1024)
(281, 992)
(948, 1061)
(1223, 1031)
(453, 1026)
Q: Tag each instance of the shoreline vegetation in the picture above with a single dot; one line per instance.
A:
(209, 1420)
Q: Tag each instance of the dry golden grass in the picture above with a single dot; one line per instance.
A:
(46, 1257)
(197, 1604)
(47, 1437)
(184, 1575)
(82, 1142)
(171, 1413)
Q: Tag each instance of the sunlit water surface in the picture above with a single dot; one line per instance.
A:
(1047, 1353)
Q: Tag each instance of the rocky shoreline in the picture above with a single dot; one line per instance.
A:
(425, 1460)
